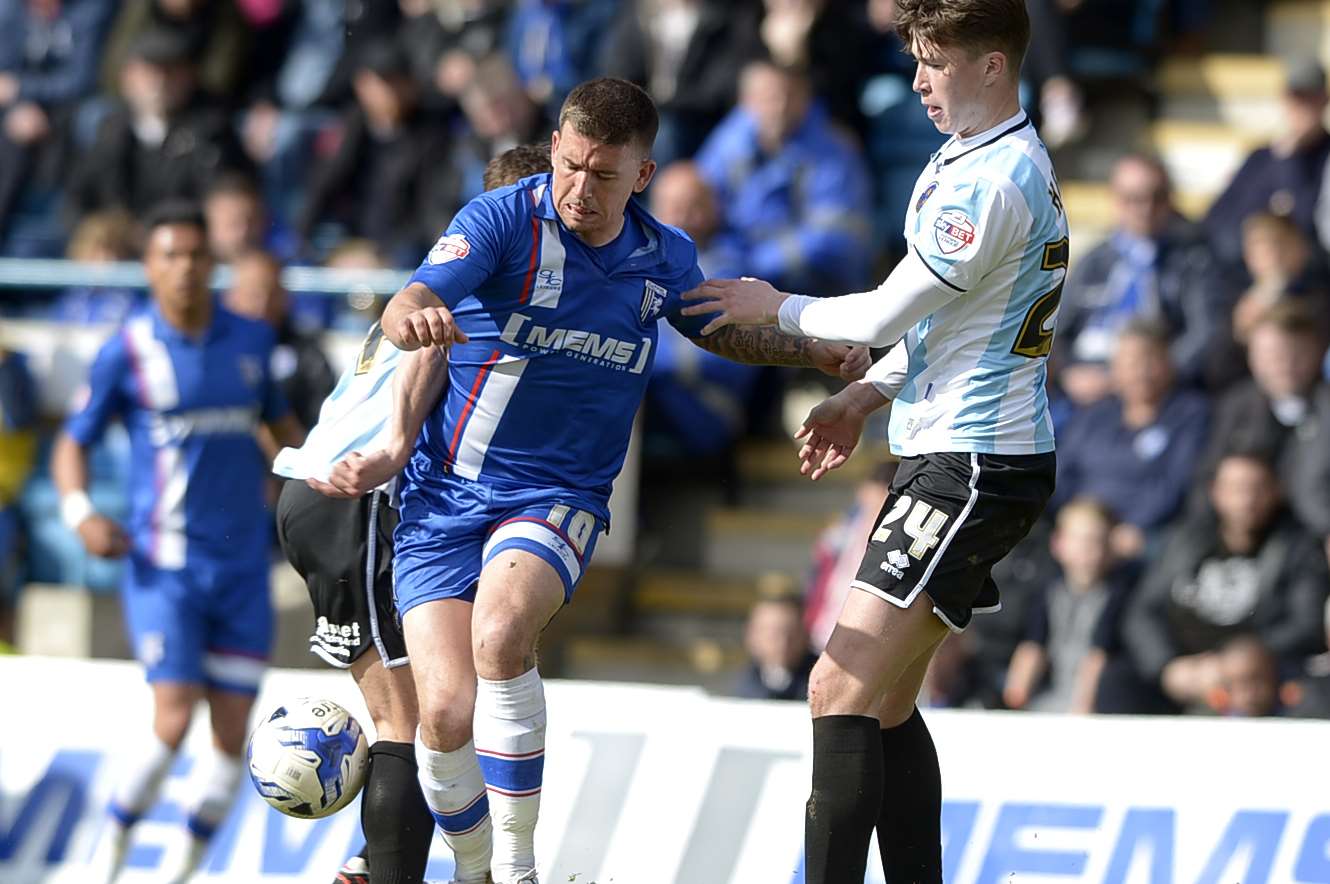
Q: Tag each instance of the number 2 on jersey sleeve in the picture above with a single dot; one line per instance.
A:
(1035, 338)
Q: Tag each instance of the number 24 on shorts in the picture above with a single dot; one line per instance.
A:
(923, 526)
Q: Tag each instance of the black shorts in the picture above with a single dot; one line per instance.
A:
(333, 546)
(948, 520)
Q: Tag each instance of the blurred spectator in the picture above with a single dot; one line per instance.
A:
(514, 164)
(48, 60)
(780, 658)
(238, 220)
(166, 140)
(1308, 694)
(1047, 67)
(1281, 263)
(298, 363)
(1285, 178)
(1137, 449)
(1283, 407)
(687, 54)
(18, 447)
(839, 550)
(1075, 624)
(100, 238)
(499, 115)
(553, 45)
(444, 40)
(1155, 265)
(697, 402)
(362, 305)
(1249, 570)
(681, 197)
(386, 181)
(830, 39)
(792, 188)
(212, 32)
(1248, 680)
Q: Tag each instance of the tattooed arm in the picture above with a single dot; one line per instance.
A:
(765, 345)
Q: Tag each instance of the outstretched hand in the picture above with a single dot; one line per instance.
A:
(829, 433)
(357, 475)
(744, 301)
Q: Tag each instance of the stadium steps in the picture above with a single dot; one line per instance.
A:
(1298, 28)
(705, 662)
(669, 592)
(1239, 90)
(1202, 156)
(746, 541)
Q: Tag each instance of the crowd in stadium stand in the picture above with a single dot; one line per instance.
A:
(1184, 564)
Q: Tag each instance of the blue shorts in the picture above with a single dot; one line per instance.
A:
(209, 623)
(451, 527)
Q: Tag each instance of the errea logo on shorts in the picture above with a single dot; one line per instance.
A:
(896, 564)
(450, 247)
(953, 231)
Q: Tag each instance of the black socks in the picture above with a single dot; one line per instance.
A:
(846, 798)
(909, 823)
(397, 823)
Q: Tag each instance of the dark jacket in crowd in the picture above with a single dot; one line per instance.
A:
(1198, 596)
(1244, 420)
(1143, 475)
(399, 192)
(1189, 297)
(752, 687)
(121, 171)
(55, 61)
(216, 35)
(1267, 182)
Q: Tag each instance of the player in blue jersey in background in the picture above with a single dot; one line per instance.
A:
(971, 312)
(191, 383)
(558, 284)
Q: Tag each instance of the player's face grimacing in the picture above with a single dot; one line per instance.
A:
(593, 182)
(951, 82)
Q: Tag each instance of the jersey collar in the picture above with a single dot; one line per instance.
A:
(645, 258)
(958, 147)
(164, 330)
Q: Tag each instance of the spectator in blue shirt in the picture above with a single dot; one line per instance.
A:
(48, 60)
(1137, 449)
(794, 189)
(553, 44)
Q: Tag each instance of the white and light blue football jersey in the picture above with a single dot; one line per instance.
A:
(354, 416)
(986, 218)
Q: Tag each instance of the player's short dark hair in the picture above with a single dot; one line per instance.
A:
(974, 25)
(517, 163)
(611, 111)
(175, 212)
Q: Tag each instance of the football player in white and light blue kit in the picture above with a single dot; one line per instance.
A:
(969, 315)
(558, 284)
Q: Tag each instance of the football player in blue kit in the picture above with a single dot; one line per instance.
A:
(558, 283)
(191, 383)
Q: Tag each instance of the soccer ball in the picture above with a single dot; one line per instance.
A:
(308, 758)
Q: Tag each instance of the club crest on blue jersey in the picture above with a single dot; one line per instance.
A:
(251, 370)
(953, 231)
(450, 247)
(923, 197)
(653, 299)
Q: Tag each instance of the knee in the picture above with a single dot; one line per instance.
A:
(445, 720)
(171, 722)
(503, 649)
(834, 691)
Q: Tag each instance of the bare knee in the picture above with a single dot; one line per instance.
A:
(170, 720)
(229, 713)
(390, 697)
(834, 691)
(445, 718)
(503, 647)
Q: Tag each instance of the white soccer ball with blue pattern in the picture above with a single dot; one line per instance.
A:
(308, 758)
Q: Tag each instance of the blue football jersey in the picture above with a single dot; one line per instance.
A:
(191, 406)
(562, 340)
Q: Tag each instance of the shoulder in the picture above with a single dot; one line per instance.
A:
(253, 332)
(677, 248)
(1189, 404)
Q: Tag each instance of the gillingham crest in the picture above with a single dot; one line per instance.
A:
(653, 298)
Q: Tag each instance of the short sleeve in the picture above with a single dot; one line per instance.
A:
(968, 229)
(688, 326)
(471, 249)
(104, 397)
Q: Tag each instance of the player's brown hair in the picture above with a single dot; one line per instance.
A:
(974, 25)
(516, 163)
(611, 111)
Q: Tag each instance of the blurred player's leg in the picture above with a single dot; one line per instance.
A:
(438, 639)
(874, 646)
(909, 823)
(397, 822)
(173, 706)
(229, 711)
(519, 593)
